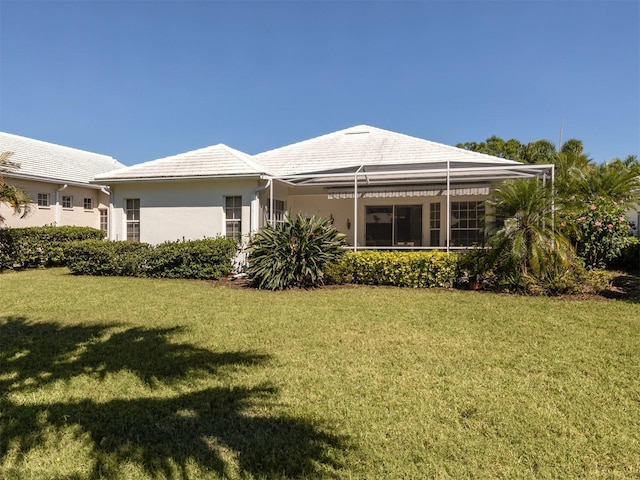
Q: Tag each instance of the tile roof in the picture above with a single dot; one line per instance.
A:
(365, 145)
(51, 162)
(215, 161)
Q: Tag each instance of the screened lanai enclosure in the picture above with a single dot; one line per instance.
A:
(430, 205)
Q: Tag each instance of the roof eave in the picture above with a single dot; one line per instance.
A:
(58, 181)
(107, 180)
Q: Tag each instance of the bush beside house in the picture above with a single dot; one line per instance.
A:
(395, 268)
(40, 246)
(206, 259)
(294, 253)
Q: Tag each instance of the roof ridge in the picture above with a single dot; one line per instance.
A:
(291, 145)
(246, 157)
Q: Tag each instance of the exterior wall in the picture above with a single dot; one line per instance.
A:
(342, 211)
(319, 205)
(55, 214)
(634, 217)
(176, 210)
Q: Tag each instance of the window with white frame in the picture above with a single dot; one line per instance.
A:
(466, 223)
(43, 200)
(133, 219)
(67, 201)
(88, 203)
(104, 221)
(434, 224)
(233, 217)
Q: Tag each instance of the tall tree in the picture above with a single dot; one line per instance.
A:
(539, 151)
(571, 162)
(16, 198)
(509, 149)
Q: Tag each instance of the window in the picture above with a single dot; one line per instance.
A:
(43, 199)
(88, 203)
(279, 211)
(67, 201)
(394, 225)
(233, 216)
(466, 223)
(104, 221)
(434, 225)
(133, 219)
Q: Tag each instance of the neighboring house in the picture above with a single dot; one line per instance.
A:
(57, 179)
(382, 189)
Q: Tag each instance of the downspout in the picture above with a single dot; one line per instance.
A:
(254, 223)
(57, 216)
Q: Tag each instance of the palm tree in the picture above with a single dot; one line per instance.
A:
(570, 163)
(16, 198)
(616, 181)
(524, 241)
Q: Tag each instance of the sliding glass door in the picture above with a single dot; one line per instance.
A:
(394, 225)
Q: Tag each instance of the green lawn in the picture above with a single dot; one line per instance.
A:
(135, 378)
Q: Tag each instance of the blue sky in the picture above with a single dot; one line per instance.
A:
(141, 80)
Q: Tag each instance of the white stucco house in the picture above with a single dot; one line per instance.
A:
(382, 189)
(58, 181)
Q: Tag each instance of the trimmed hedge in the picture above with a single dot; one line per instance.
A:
(40, 246)
(629, 258)
(202, 259)
(100, 257)
(401, 269)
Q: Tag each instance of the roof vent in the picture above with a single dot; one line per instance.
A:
(356, 132)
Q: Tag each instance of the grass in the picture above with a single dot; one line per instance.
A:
(140, 379)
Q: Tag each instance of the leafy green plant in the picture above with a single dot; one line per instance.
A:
(526, 246)
(600, 230)
(401, 269)
(294, 253)
(40, 246)
(629, 258)
(203, 259)
(98, 257)
(209, 258)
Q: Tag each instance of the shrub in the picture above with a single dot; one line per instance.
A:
(629, 258)
(294, 253)
(40, 246)
(600, 230)
(201, 259)
(96, 257)
(402, 269)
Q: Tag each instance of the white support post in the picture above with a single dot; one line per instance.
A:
(553, 204)
(355, 212)
(448, 210)
(271, 204)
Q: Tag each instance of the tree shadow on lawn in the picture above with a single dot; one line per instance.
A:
(216, 429)
(624, 286)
